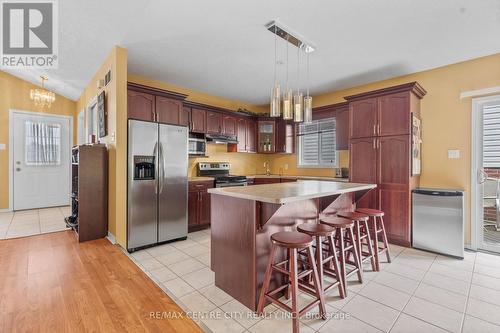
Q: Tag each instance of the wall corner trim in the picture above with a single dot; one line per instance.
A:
(111, 238)
(480, 92)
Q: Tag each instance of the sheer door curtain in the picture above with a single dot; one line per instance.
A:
(43, 143)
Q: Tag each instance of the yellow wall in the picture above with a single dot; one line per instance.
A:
(14, 94)
(446, 120)
(116, 104)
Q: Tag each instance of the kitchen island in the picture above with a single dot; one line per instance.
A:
(244, 218)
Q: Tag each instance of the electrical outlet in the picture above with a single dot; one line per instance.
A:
(453, 153)
(286, 166)
(113, 137)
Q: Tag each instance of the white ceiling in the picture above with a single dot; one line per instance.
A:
(221, 47)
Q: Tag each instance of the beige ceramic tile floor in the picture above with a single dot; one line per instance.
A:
(417, 292)
(33, 222)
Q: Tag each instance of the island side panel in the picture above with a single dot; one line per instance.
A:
(233, 227)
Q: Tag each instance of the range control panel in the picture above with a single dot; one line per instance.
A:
(213, 166)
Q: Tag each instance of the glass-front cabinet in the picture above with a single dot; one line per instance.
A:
(266, 136)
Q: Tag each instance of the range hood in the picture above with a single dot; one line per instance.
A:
(221, 139)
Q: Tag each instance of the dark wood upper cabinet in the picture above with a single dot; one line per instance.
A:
(185, 117)
(251, 136)
(198, 120)
(266, 136)
(363, 118)
(168, 111)
(393, 115)
(342, 128)
(140, 105)
(229, 125)
(214, 122)
(284, 136)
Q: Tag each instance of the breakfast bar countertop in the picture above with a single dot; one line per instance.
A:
(282, 193)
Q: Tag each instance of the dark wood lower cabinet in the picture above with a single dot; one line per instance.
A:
(199, 205)
(263, 180)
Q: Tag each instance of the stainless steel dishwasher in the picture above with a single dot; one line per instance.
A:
(438, 221)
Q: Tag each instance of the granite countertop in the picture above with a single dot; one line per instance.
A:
(282, 193)
(200, 179)
(325, 178)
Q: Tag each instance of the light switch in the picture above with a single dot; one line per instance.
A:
(453, 153)
(2, 146)
(113, 137)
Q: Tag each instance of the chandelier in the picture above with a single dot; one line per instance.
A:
(295, 106)
(42, 97)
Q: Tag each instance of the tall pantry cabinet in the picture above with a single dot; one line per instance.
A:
(380, 144)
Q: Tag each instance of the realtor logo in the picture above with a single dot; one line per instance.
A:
(29, 34)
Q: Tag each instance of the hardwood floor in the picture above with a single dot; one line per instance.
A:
(51, 283)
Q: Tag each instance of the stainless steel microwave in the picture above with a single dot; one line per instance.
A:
(197, 146)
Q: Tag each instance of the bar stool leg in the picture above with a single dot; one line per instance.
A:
(288, 289)
(319, 291)
(267, 281)
(357, 234)
(375, 244)
(384, 238)
(340, 233)
(319, 261)
(357, 261)
(336, 267)
(369, 246)
(294, 284)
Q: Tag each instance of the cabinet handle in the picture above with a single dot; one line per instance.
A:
(378, 128)
(378, 144)
(153, 115)
(374, 129)
(374, 144)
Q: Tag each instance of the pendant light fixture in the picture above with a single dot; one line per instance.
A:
(275, 91)
(287, 94)
(42, 97)
(298, 100)
(293, 104)
(308, 99)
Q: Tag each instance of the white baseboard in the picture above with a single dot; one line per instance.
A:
(111, 238)
(5, 210)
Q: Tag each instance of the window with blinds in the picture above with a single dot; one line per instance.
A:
(316, 144)
(491, 136)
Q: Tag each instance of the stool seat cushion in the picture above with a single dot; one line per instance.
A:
(315, 229)
(337, 222)
(292, 239)
(370, 212)
(354, 216)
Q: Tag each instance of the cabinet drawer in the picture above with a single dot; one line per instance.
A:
(200, 185)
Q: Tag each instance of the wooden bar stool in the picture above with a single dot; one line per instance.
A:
(362, 234)
(293, 242)
(378, 228)
(326, 261)
(346, 243)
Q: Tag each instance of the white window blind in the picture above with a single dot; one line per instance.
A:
(491, 136)
(317, 146)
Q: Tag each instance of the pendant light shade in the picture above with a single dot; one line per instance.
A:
(288, 104)
(308, 99)
(275, 105)
(298, 107)
(275, 101)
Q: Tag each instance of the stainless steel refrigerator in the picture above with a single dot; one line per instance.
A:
(157, 183)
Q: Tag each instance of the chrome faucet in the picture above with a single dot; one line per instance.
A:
(268, 170)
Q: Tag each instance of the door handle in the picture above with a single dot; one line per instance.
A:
(155, 150)
(161, 173)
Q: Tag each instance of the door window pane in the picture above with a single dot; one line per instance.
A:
(42, 143)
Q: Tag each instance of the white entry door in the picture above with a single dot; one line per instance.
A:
(41, 146)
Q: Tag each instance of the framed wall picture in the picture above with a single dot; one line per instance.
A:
(102, 115)
(416, 150)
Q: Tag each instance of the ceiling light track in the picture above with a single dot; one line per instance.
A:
(284, 32)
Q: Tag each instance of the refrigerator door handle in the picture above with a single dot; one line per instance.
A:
(161, 172)
(155, 151)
